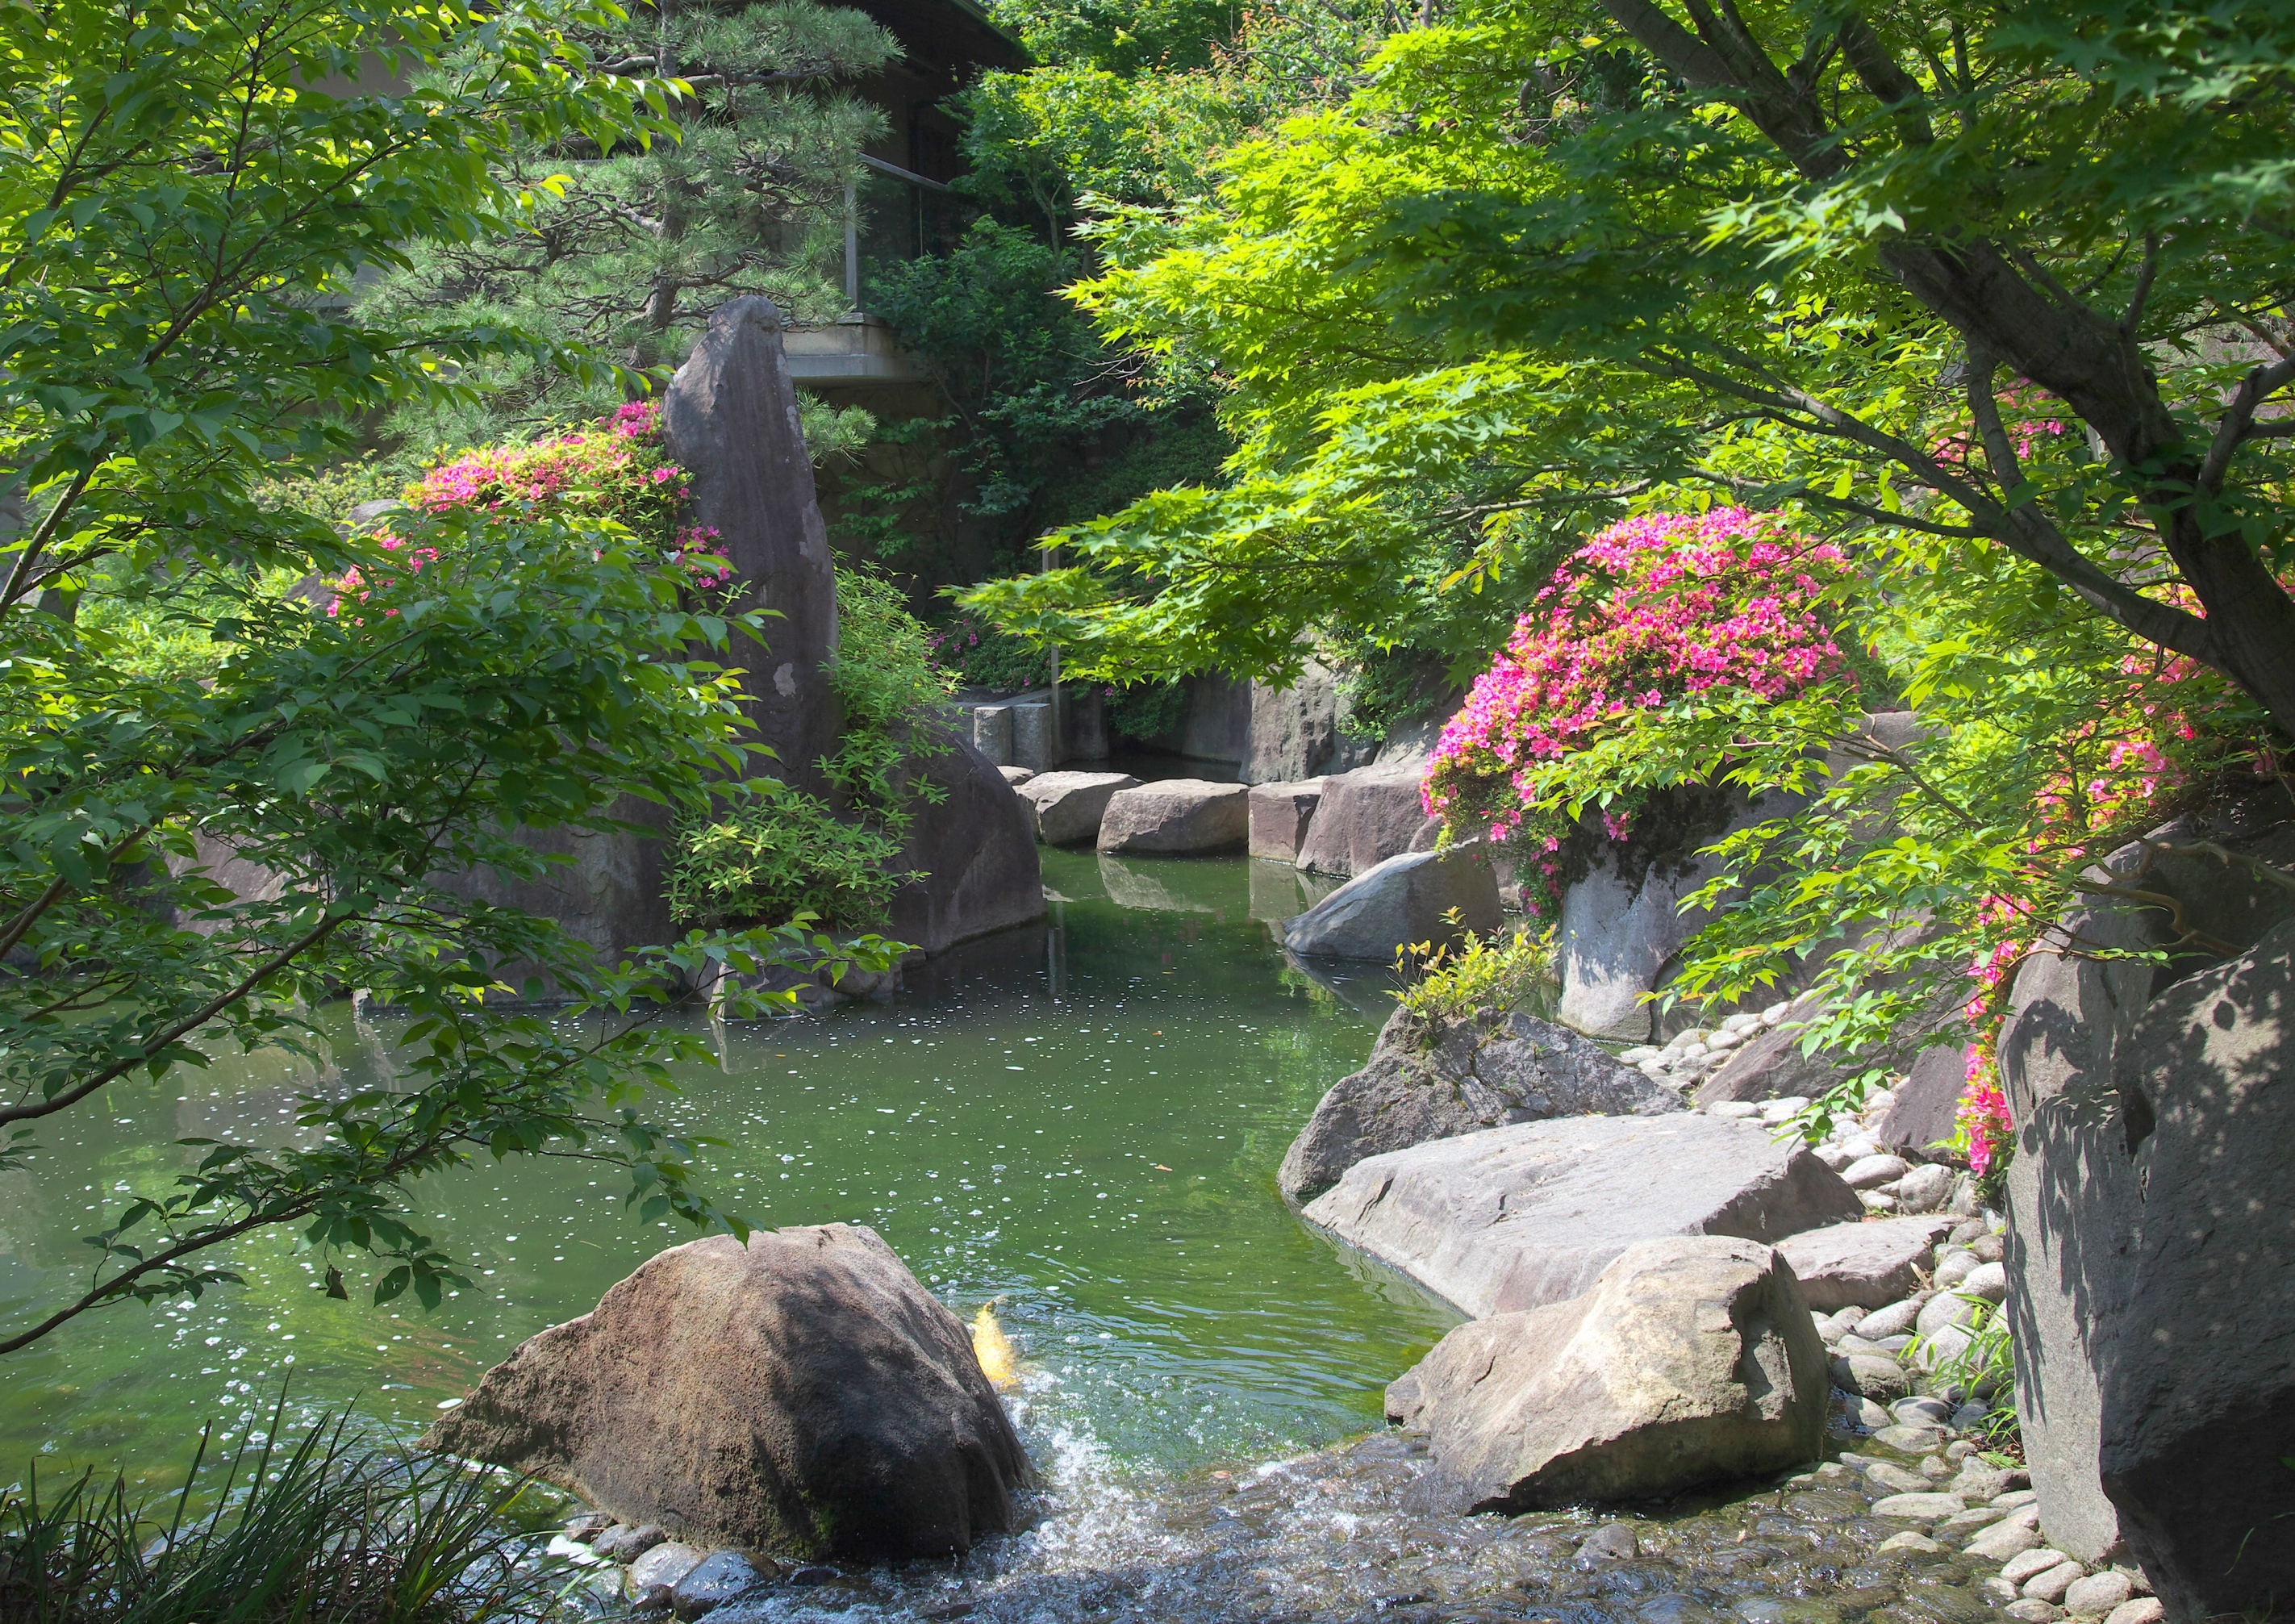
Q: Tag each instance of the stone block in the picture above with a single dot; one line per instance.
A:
(1687, 1360)
(1518, 1216)
(1280, 813)
(1176, 817)
(992, 733)
(1866, 1265)
(1365, 818)
(1035, 742)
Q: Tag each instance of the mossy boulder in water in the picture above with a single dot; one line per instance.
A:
(801, 1395)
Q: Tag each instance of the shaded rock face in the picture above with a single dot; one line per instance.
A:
(2199, 1365)
(1176, 816)
(802, 1394)
(1367, 817)
(731, 418)
(1688, 1360)
(1066, 807)
(1280, 813)
(1920, 1118)
(1515, 1218)
(1622, 926)
(1295, 730)
(1864, 1265)
(2078, 1207)
(1419, 897)
(2071, 1202)
(1433, 1080)
(974, 850)
(613, 895)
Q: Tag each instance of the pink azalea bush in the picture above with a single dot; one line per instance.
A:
(613, 468)
(1648, 611)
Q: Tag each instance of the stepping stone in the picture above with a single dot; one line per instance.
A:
(1515, 1216)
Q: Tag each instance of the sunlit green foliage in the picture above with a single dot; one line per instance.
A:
(181, 217)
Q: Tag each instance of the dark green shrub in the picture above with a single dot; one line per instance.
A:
(332, 1528)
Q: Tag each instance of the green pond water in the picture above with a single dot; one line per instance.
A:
(1078, 1123)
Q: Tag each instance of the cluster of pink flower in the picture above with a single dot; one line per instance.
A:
(610, 468)
(1647, 611)
(606, 468)
(1982, 1114)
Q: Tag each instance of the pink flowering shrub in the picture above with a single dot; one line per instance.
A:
(1648, 611)
(612, 468)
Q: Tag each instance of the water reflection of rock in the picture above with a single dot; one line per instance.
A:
(1368, 989)
(1176, 885)
(1279, 891)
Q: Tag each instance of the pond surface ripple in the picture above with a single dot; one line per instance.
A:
(1077, 1124)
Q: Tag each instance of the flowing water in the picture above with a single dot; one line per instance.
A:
(1078, 1124)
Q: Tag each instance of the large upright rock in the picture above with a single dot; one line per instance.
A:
(1295, 730)
(974, 849)
(1689, 1360)
(2079, 1211)
(802, 1395)
(2199, 1362)
(1419, 897)
(732, 422)
(1367, 817)
(2072, 1201)
(1514, 1218)
(1436, 1079)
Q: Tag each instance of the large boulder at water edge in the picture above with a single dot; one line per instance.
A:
(1688, 1361)
(802, 1395)
(2086, 1103)
(1518, 1216)
(1433, 1078)
(1065, 808)
(731, 418)
(2199, 1365)
(1367, 817)
(1176, 817)
(1420, 896)
(972, 849)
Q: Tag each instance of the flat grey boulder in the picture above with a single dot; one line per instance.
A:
(802, 1394)
(1177, 816)
(1279, 816)
(1420, 896)
(1864, 1265)
(1365, 817)
(1434, 1080)
(1066, 807)
(1515, 1218)
(1689, 1360)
